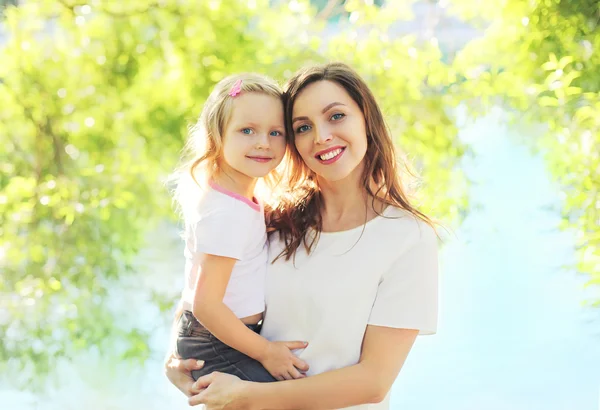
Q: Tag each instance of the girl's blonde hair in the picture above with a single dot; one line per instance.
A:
(205, 143)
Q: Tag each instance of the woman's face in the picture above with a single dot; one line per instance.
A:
(329, 130)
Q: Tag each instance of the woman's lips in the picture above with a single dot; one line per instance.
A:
(330, 156)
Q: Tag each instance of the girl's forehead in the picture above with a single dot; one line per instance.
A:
(256, 107)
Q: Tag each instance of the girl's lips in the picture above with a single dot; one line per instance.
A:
(260, 159)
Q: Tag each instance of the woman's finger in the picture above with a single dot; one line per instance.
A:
(286, 376)
(196, 399)
(191, 364)
(204, 381)
(195, 390)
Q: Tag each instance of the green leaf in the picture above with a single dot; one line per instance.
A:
(547, 101)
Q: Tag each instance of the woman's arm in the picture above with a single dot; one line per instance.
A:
(383, 353)
(179, 372)
(209, 309)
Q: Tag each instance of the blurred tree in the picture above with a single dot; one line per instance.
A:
(95, 102)
(5, 3)
(541, 59)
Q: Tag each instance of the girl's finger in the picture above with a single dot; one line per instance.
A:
(295, 345)
(300, 364)
(295, 374)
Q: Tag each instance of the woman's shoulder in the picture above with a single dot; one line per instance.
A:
(398, 222)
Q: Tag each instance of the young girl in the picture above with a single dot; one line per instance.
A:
(239, 138)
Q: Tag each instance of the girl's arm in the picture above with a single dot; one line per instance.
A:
(383, 353)
(209, 309)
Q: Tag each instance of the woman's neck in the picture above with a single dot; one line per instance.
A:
(346, 203)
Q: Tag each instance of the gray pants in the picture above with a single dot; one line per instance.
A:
(194, 341)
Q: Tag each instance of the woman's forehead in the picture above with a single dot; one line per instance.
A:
(319, 95)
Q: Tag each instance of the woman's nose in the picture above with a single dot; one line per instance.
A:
(322, 135)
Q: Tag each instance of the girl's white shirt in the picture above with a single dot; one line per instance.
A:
(220, 222)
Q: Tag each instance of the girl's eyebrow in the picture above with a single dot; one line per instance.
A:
(244, 124)
(324, 110)
(250, 124)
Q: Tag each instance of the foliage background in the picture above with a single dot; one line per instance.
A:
(96, 98)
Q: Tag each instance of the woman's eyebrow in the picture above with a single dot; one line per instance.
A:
(333, 104)
(327, 107)
(299, 118)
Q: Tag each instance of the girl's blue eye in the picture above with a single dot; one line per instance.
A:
(247, 131)
(338, 116)
(275, 133)
(302, 128)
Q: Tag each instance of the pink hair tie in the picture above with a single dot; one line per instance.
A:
(236, 89)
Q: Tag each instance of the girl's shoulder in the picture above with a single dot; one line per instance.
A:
(208, 203)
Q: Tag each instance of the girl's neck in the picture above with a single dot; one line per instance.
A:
(235, 181)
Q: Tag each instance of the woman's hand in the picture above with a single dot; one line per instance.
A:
(279, 360)
(179, 372)
(220, 391)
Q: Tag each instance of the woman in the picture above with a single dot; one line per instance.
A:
(355, 265)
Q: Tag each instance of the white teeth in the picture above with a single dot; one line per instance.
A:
(330, 154)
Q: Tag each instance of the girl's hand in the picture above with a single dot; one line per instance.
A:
(220, 391)
(279, 360)
(179, 372)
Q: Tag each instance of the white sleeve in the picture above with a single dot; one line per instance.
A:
(219, 233)
(407, 296)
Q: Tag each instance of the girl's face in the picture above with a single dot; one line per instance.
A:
(254, 138)
(329, 130)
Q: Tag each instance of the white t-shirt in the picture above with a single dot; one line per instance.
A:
(386, 277)
(227, 224)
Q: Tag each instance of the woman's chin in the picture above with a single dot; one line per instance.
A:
(341, 174)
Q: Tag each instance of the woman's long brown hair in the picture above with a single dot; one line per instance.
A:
(298, 210)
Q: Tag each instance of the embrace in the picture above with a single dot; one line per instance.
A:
(310, 292)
